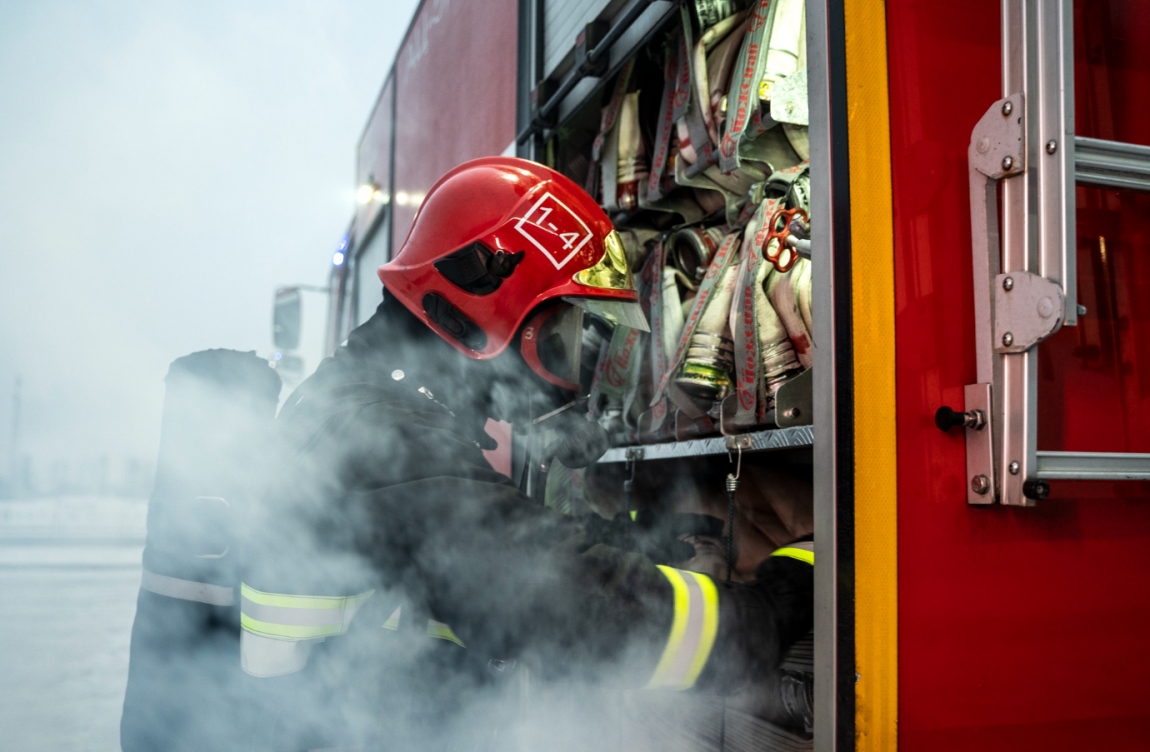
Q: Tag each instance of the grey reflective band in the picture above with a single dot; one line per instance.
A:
(693, 630)
(188, 590)
(269, 656)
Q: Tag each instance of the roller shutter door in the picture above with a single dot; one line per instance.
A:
(562, 21)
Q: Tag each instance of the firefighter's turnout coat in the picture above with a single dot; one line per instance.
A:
(397, 586)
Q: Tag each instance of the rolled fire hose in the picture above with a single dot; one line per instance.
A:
(803, 291)
(720, 63)
(691, 250)
(711, 40)
(776, 352)
(786, 52)
(706, 371)
(710, 12)
(673, 317)
(781, 289)
(631, 171)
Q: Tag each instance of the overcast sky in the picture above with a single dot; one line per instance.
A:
(163, 167)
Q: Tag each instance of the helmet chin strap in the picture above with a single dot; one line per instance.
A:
(558, 410)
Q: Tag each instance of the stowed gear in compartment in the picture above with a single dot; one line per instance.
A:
(699, 154)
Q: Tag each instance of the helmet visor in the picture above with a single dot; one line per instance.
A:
(619, 312)
(552, 345)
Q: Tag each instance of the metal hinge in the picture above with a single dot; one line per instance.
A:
(1027, 309)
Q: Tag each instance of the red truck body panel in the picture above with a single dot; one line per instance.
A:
(1019, 629)
(455, 99)
(373, 158)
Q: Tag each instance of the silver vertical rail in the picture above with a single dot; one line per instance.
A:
(827, 636)
(1051, 143)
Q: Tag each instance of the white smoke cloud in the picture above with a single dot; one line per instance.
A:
(163, 166)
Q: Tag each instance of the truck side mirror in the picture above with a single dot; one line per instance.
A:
(287, 318)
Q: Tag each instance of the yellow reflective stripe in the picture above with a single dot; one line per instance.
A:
(441, 631)
(289, 631)
(297, 617)
(634, 515)
(392, 622)
(693, 630)
(302, 601)
(796, 553)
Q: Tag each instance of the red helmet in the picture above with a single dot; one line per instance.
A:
(499, 237)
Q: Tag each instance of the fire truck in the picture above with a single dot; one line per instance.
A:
(967, 420)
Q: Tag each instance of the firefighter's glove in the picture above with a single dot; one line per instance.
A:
(581, 442)
(656, 536)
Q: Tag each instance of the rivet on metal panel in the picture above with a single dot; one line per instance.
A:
(1007, 108)
(1081, 310)
(1051, 146)
(1007, 162)
(742, 441)
(1014, 468)
(980, 484)
(1008, 284)
(1008, 339)
(794, 412)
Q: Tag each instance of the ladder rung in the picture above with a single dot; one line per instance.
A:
(1111, 163)
(1093, 466)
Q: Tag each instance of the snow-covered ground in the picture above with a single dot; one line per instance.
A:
(69, 574)
(73, 518)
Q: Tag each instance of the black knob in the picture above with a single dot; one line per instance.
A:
(1036, 489)
(946, 419)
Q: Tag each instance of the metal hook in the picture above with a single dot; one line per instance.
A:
(738, 464)
(632, 461)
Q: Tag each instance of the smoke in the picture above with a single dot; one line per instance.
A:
(163, 167)
(369, 485)
(371, 482)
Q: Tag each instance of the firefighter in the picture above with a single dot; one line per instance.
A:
(395, 573)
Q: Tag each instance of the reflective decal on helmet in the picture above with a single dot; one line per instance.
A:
(550, 222)
(611, 272)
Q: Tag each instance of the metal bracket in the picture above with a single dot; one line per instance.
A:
(997, 152)
(634, 454)
(794, 401)
(998, 143)
(1027, 309)
(980, 476)
(741, 441)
